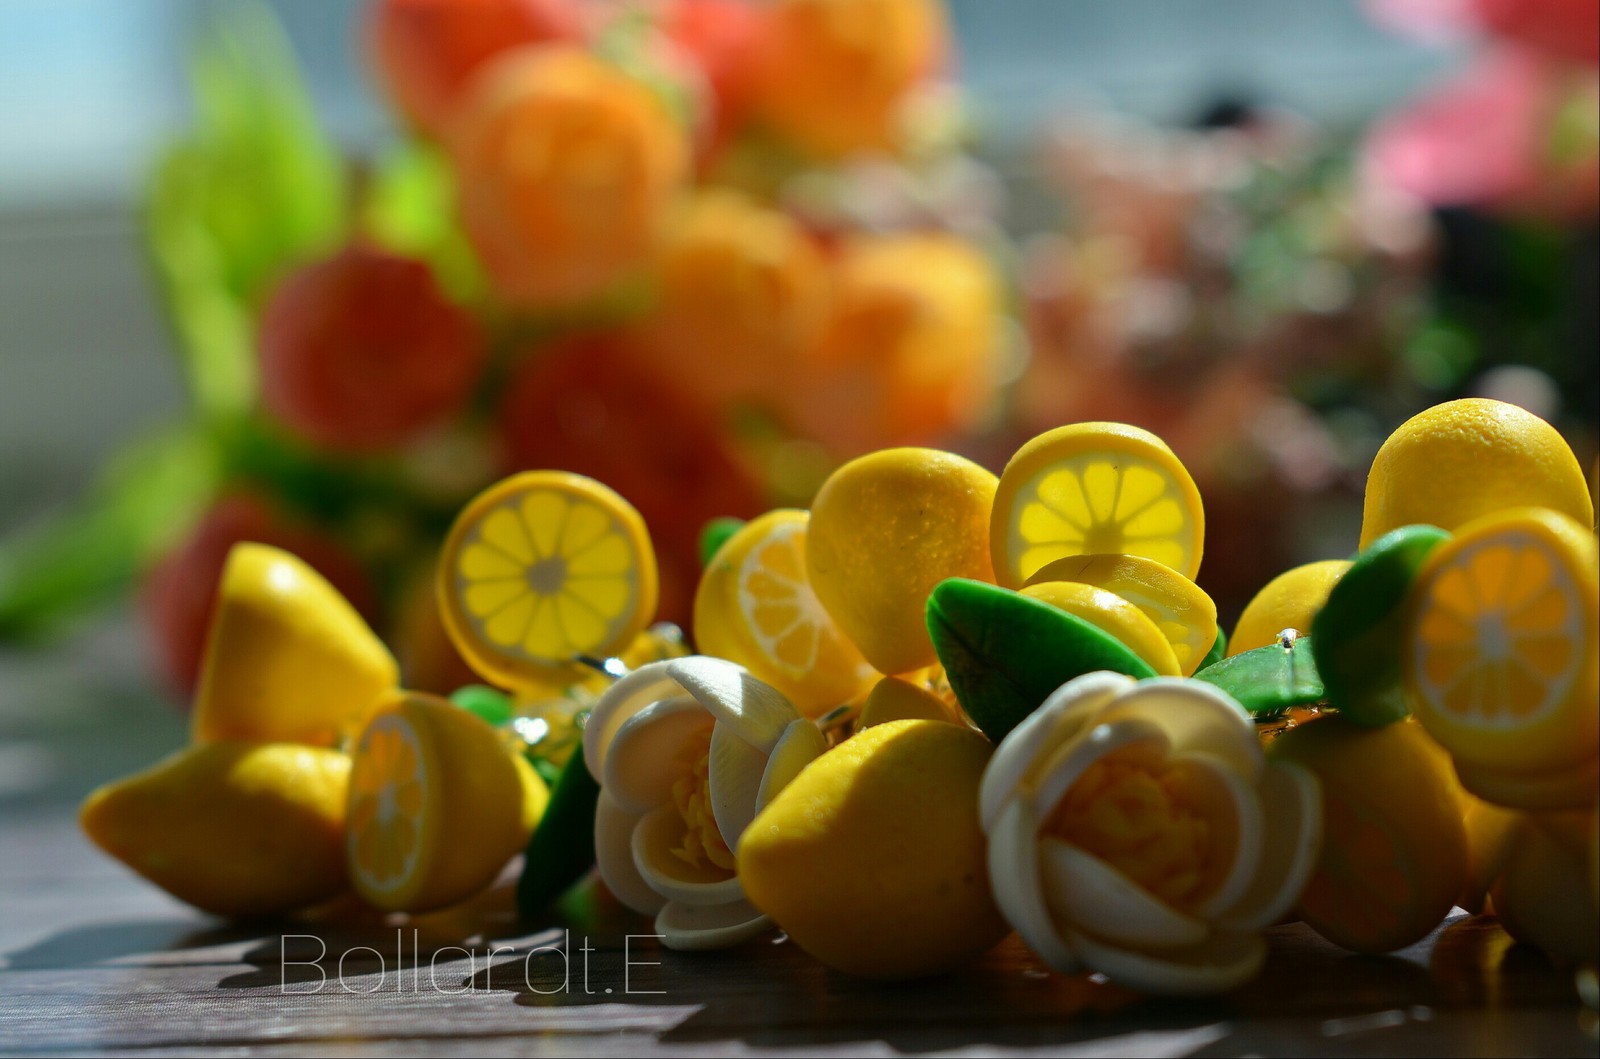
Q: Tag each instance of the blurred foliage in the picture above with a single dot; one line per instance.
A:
(254, 188)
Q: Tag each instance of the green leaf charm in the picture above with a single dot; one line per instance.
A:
(561, 850)
(1219, 651)
(1357, 635)
(1004, 652)
(1270, 679)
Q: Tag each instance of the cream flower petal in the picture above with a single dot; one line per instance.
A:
(753, 710)
(647, 684)
(736, 771)
(802, 743)
(669, 874)
(1014, 877)
(690, 928)
(1017, 759)
(1081, 888)
(1070, 760)
(1291, 838)
(1235, 802)
(1221, 962)
(1196, 716)
(652, 750)
(613, 855)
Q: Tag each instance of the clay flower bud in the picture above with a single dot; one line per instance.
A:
(567, 168)
(910, 348)
(686, 752)
(830, 74)
(742, 295)
(1137, 830)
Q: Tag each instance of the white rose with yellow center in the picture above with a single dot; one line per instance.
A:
(686, 752)
(1136, 829)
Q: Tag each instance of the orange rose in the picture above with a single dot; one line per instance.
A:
(743, 291)
(831, 73)
(567, 169)
(909, 350)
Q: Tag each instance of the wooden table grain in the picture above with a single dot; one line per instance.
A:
(95, 961)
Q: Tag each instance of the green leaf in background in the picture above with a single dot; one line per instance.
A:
(561, 850)
(409, 207)
(253, 189)
(143, 501)
(1270, 679)
(1004, 653)
(490, 704)
(714, 534)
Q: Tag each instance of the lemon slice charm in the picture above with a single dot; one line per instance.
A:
(540, 569)
(1500, 663)
(1092, 488)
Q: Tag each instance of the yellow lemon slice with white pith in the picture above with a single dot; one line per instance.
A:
(1094, 488)
(1113, 614)
(438, 804)
(541, 568)
(1500, 661)
(755, 606)
(1181, 609)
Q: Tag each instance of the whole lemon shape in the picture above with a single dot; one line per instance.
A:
(885, 529)
(288, 659)
(873, 859)
(1394, 848)
(233, 828)
(1456, 461)
(1288, 601)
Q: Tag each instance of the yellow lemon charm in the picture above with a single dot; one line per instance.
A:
(755, 606)
(288, 659)
(1095, 488)
(438, 804)
(541, 568)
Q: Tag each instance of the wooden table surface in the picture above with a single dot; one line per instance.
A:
(94, 960)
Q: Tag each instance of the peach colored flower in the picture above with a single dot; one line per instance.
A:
(1136, 829)
(743, 291)
(830, 74)
(910, 349)
(567, 170)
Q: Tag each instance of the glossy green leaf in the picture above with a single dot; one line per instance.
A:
(1004, 652)
(561, 850)
(1270, 679)
(1358, 634)
(1218, 651)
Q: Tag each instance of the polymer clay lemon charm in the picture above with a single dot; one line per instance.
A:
(541, 568)
(1088, 488)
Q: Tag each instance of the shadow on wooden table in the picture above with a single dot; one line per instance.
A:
(594, 970)
(103, 943)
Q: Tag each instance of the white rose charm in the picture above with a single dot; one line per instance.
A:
(1136, 829)
(686, 752)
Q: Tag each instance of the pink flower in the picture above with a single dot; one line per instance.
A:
(1502, 135)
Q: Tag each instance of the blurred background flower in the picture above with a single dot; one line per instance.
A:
(704, 250)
